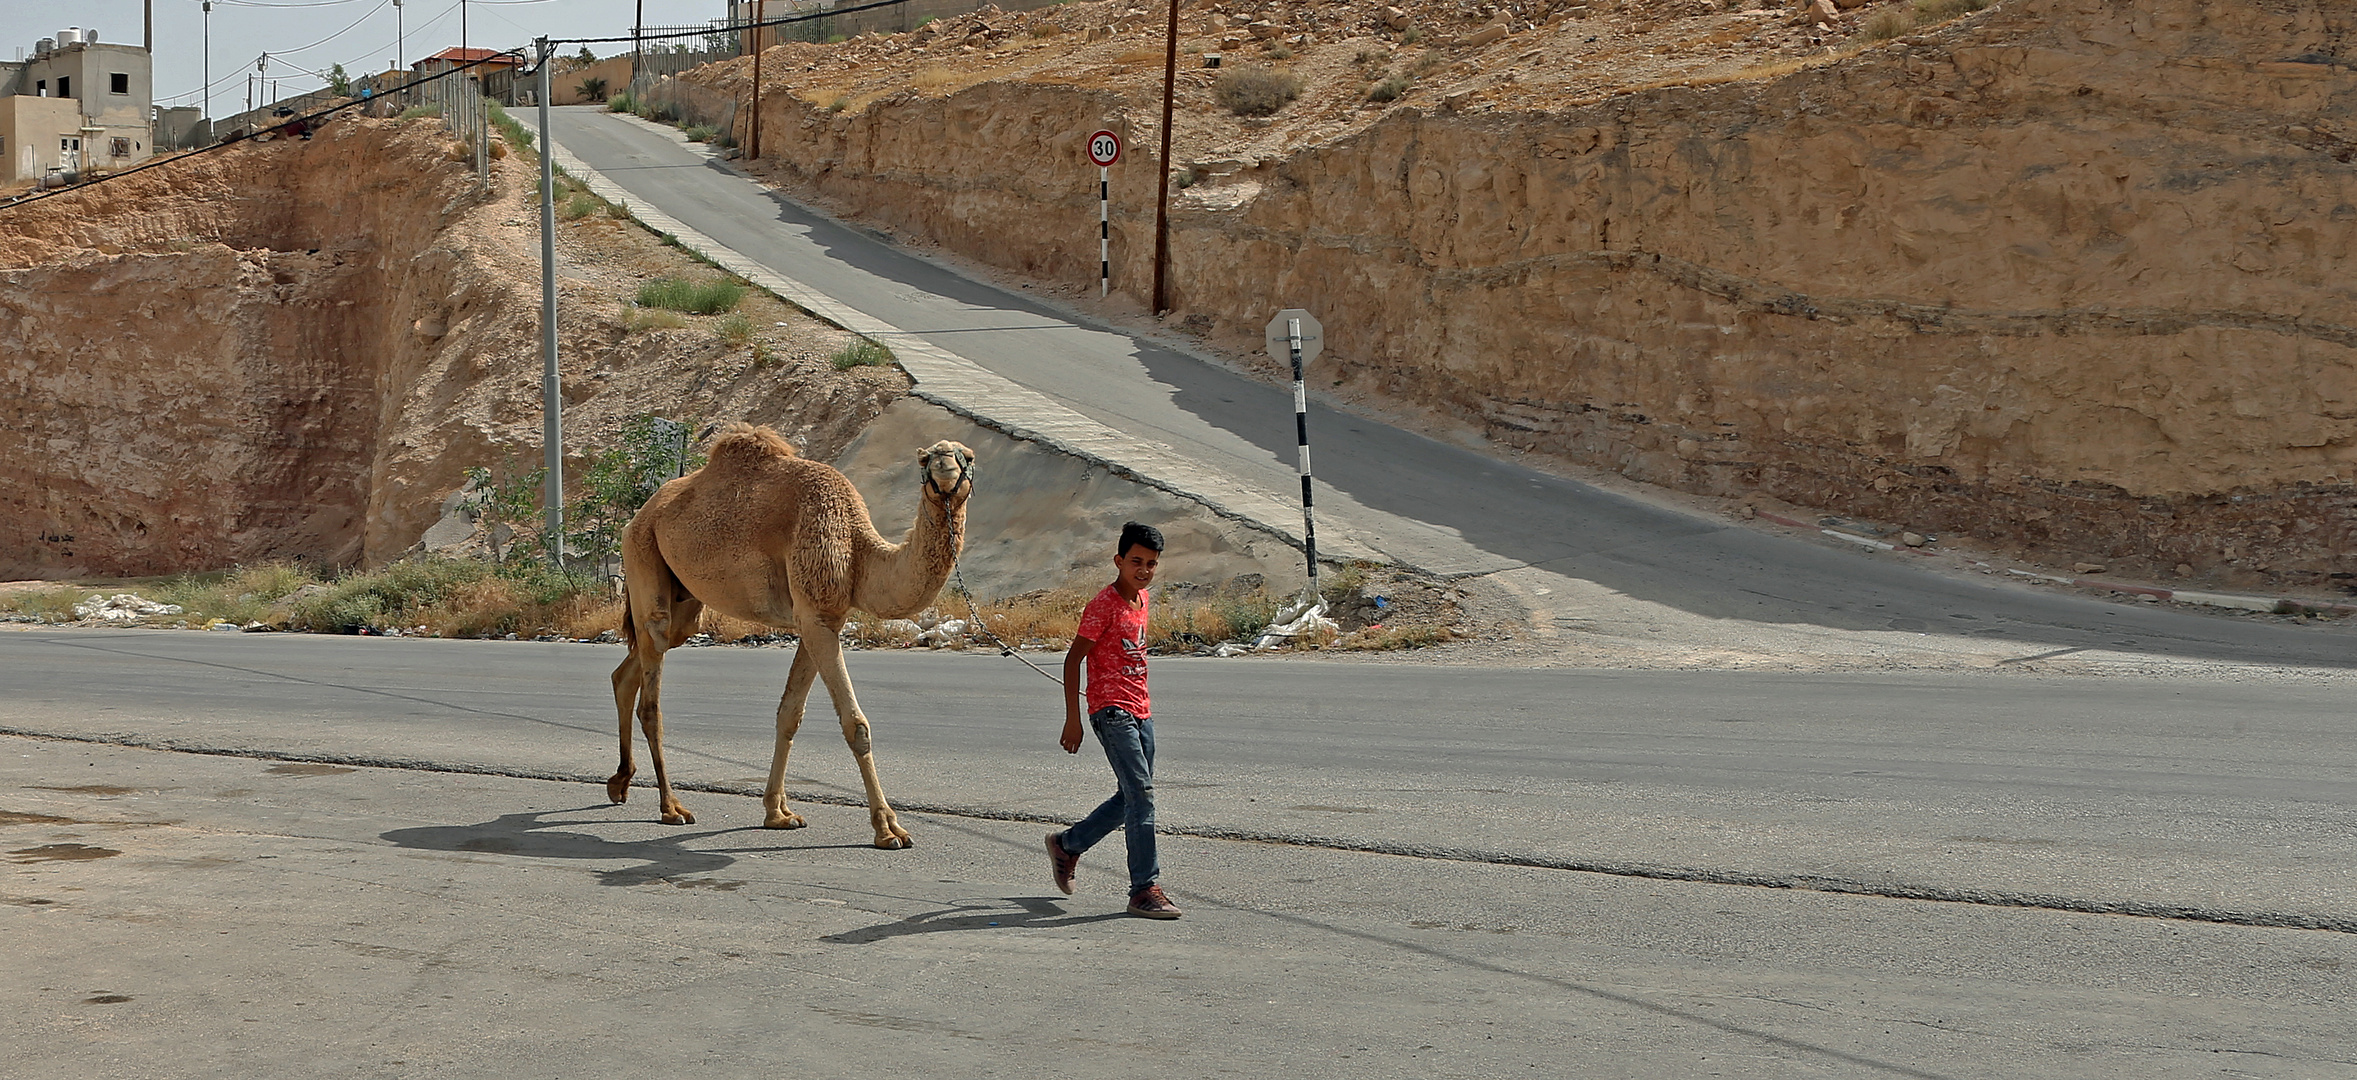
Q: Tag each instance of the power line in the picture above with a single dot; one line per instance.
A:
(517, 52)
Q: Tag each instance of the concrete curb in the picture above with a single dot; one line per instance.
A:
(983, 396)
(2268, 604)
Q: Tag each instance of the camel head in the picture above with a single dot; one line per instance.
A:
(949, 472)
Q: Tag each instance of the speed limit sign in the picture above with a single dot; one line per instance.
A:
(1104, 148)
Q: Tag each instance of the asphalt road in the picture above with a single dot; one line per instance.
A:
(2233, 799)
(242, 854)
(1440, 507)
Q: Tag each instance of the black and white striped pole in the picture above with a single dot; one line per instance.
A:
(1104, 148)
(1295, 335)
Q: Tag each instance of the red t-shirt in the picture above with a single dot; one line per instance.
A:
(1117, 652)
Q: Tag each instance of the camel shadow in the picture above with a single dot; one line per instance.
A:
(1039, 913)
(531, 836)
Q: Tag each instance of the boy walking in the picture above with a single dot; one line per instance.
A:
(1112, 641)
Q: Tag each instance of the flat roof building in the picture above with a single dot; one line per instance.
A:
(77, 104)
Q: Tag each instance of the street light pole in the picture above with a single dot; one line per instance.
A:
(208, 60)
(1162, 198)
(400, 37)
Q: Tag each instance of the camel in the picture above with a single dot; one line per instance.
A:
(765, 535)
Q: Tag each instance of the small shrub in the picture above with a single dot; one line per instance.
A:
(862, 352)
(702, 133)
(841, 102)
(699, 298)
(623, 102)
(1413, 35)
(1192, 175)
(1255, 91)
(421, 112)
(735, 329)
(581, 205)
(1391, 88)
(1280, 52)
(1886, 24)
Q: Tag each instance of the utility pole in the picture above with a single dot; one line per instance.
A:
(759, 9)
(552, 400)
(208, 110)
(637, 27)
(400, 36)
(1162, 200)
(149, 43)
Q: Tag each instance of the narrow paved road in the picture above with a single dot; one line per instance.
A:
(1429, 504)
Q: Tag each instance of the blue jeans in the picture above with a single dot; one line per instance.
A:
(1129, 746)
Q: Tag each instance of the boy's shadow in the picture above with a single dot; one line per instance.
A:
(1039, 913)
(529, 836)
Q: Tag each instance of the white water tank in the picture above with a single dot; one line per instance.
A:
(70, 36)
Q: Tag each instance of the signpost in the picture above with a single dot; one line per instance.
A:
(1296, 335)
(1104, 148)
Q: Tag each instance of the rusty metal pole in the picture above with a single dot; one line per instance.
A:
(1162, 197)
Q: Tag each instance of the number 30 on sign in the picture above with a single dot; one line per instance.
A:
(1104, 148)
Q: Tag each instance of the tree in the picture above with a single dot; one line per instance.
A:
(338, 81)
(585, 57)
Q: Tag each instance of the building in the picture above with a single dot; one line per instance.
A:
(76, 104)
(497, 74)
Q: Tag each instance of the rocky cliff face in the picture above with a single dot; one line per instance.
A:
(2072, 274)
(294, 350)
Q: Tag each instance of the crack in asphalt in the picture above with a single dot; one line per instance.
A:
(2288, 920)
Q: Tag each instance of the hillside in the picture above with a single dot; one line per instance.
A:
(2061, 275)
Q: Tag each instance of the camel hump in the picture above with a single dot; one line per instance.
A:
(742, 444)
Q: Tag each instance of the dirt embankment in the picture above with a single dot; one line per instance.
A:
(295, 349)
(2063, 274)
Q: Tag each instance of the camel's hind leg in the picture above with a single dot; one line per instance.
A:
(826, 654)
(775, 815)
(660, 614)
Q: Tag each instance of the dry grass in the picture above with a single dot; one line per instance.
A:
(1388, 638)
(635, 318)
(49, 605)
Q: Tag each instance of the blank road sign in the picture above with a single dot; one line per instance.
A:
(1280, 340)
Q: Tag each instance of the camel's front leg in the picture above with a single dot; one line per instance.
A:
(628, 679)
(789, 720)
(826, 650)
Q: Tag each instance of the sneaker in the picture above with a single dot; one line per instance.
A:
(1150, 903)
(1061, 863)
